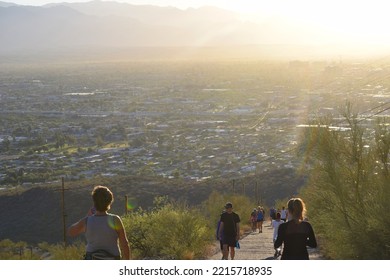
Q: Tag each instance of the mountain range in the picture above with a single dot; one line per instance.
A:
(113, 27)
(106, 25)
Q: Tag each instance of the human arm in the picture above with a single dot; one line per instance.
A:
(311, 239)
(80, 226)
(217, 231)
(220, 231)
(280, 238)
(236, 220)
(77, 228)
(123, 241)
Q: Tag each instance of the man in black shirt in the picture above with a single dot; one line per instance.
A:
(229, 231)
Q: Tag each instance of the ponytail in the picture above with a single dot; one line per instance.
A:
(297, 208)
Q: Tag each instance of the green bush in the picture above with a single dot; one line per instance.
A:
(168, 232)
(74, 251)
(10, 250)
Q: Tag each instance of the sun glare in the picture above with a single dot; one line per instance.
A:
(349, 21)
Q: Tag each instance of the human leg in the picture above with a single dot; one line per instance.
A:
(232, 252)
(260, 226)
(221, 246)
(229, 243)
(225, 252)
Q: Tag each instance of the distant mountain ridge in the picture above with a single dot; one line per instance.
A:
(6, 4)
(109, 27)
(150, 14)
(111, 24)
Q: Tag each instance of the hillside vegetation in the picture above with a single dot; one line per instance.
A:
(348, 192)
(189, 232)
(35, 215)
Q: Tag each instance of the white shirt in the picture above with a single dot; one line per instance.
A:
(283, 214)
(275, 225)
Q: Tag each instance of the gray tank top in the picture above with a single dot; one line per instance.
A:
(101, 234)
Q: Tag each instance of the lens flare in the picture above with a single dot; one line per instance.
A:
(131, 205)
(111, 223)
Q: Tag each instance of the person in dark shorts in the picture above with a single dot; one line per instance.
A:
(229, 231)
(260, 218)
(295, 234)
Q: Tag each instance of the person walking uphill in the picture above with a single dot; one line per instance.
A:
(260, 218)
(103, 230)
(295, 234)
(229, 231)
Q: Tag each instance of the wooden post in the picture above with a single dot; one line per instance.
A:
(126, 204)
(62, 190)
(63, 210)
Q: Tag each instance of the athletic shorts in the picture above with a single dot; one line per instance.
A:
(230, 240)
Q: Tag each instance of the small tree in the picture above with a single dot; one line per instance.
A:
(168, 231)
(348, 190)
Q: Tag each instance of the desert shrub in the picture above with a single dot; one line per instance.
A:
(169, 231)
(74, 251)
(348, 191)
(10, 250)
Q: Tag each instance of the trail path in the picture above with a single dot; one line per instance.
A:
(259, 246)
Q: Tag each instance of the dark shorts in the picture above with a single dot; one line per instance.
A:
(100, 255)
(230, 240)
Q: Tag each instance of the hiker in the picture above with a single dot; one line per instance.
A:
(284, 214)
(272, 214)
(295, 234)
(229, 231)
(275, 225)
(260, 218)
(253, 219)
(106, 237)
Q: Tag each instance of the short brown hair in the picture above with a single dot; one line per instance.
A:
(102, 198)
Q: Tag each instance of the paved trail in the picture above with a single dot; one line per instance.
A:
(259, 246)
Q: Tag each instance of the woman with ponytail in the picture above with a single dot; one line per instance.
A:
(296, 234)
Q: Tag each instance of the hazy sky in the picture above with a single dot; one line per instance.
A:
(299, 7)
(360, 19)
